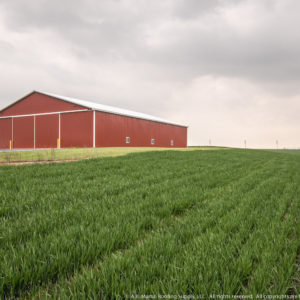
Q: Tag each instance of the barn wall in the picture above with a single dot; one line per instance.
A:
(77, 129)
(46, 131)
(112, 130)
(36, 103)
(109, 130)
(5, 133)
(23, 132)
(181, 136)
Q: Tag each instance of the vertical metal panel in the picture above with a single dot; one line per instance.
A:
(94, 129)
(112, 130)
(109, 130)
(77, 129)
(34, 132)
(5, 133)
(59, 131)
(12, 131)
(140, 132)
(46, 131)
(38, 103)
(23, 132)
(181, 136)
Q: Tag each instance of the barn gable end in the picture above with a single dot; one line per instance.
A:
(36, 103)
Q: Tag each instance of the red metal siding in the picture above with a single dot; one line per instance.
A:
(38, 103)
(138, 131)
(109, 130)
(181, 137)
(46, 131)
(5, 133)
(112, 130)
(23, 132)
(77, 129)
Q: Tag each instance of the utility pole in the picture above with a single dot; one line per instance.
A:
(209, 142)
(245, 142)
(277, 144)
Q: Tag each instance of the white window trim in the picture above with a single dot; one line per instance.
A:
(127, 140)
(152, 141)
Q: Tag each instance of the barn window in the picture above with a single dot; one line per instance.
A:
(127, 139)
(152, 141)
(172, 143)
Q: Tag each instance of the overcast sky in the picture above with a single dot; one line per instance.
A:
(230, 69)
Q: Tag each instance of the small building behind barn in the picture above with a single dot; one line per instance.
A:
(43, 120)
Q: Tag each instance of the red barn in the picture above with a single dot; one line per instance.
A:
(43, 120)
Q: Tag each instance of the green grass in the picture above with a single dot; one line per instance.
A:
(153, 223)
(288, 151)
(81, 153)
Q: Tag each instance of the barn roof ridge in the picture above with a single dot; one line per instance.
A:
(109, 109)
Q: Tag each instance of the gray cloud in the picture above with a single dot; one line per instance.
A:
(255, 39)
(182, 59)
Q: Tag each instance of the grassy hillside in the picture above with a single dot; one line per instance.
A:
(153, 223)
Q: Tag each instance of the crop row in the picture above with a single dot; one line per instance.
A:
(180, 222)
(239, 242)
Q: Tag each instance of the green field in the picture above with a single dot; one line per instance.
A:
(152, 223)
(80, 153)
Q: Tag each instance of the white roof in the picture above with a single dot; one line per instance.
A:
(110, 109)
